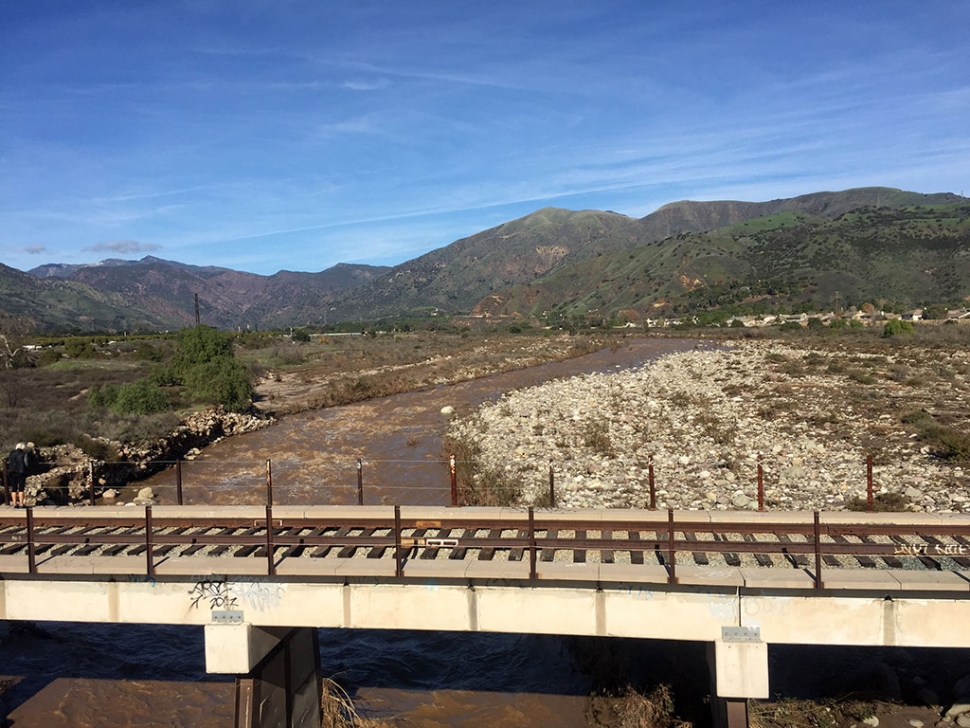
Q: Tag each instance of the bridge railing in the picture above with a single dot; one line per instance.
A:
(33, 541)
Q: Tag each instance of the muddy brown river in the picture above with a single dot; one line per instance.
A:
(77, 675)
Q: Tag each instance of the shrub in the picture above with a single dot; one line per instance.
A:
(104, 396)
(199, 345)
(48, 356)
(205, 363)
(300, 335)
(140, 398)
(596, 436)
(221, 381)
(895, 327)
(78, 348)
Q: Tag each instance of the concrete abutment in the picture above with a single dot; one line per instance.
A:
(278, 680)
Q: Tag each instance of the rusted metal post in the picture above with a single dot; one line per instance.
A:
(552, 487)
(761, 485)
(270, 549)
(149, 546)
(818, 552)
(6, 485)
(532, 543)
(454, 480)
(653, 492)
(398, 565)
(91, 481)
(178, 481)
(31, 546)
(360, 482)
(869, 499)
(671, 556)
(269, 483)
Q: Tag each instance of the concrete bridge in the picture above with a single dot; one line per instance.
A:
(262, 580)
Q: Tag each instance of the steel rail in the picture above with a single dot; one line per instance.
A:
(515, 532)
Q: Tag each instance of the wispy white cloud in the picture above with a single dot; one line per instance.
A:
(122, 246)
(362, 84)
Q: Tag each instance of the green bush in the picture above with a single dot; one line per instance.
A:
(222, 381)
(199, 345)
(48, 356)
(78, 348)
(104, 396)
(895, 327)
(140, 398)
(301, 336)
(205, 363)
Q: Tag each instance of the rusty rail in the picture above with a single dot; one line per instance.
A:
(936, 543)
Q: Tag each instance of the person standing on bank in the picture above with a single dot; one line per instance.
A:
(18, 466)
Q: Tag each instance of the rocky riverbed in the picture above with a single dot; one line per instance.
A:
(705, 417)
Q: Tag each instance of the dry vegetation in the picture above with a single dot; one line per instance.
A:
(336, 370)
(44, 399)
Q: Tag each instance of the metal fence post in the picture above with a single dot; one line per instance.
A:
(869, 498)
(653, 492)
(532, 543)
(398, 565)
(269, 483)
(552, 487)
(271, 570)
(149, 546)
(178, 481)
(91, 481)
(6, 485)
(454, 480)
(761, 485)
(360, 482)
(31, 546)
(671, 556)
(818, 551)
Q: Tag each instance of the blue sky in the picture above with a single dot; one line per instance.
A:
(264, 135)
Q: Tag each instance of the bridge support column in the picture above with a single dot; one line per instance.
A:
(277, 673)
(739, 671)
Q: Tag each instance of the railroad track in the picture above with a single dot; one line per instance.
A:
(401, 541)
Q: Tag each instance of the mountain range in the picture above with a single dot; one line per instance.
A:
(873, 243)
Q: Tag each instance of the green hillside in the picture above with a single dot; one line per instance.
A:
(899, 257)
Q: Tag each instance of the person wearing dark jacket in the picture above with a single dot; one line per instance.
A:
(18, 466)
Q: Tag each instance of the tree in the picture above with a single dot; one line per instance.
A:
(895, 327)
(205, 363)
(13, 333)
(935, 311)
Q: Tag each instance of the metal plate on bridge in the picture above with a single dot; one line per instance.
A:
(741, 634)
(445, 543)
(227, 616)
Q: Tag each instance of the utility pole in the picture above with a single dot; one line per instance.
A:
(196, 309)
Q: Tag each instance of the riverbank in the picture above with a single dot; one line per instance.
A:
(705, 417)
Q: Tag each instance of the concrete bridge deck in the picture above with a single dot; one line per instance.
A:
(738, 581)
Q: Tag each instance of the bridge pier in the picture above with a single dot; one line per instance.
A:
(739, 671)
(277, 673)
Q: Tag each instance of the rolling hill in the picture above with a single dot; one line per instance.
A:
(868, 243)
